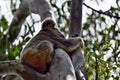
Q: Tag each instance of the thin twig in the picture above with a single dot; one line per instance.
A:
(101, 12)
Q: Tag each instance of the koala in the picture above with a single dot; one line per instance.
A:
(38, 53)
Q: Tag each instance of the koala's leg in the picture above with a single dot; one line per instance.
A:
(38, 57)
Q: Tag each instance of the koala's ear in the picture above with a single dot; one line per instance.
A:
(48, 23)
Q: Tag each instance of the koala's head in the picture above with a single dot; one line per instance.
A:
(48, 23)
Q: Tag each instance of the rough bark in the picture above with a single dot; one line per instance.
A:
(75, 17)
(75, 28)
(62, 68)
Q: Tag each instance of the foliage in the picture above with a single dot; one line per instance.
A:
(100, 32)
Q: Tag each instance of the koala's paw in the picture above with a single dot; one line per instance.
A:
(81, 42)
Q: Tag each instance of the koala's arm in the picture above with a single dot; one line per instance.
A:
(17, 21)
(69, 44)
(56, 37)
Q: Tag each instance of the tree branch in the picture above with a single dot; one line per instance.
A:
(61, 69)
(75, 28)
(101, 12)
(16, 68)
(75, 17)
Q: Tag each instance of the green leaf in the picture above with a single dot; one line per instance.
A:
(118, 65)
(116, 44)
(86, 26)
(102, 19)
(27, 39)
(106, 47)
(3, 23)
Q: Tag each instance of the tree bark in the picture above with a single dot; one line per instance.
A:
(75, 28)
(75, 17)
(62, 68)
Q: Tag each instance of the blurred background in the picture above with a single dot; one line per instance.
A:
(100, 31)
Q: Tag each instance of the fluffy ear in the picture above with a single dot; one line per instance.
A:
(48, 23)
